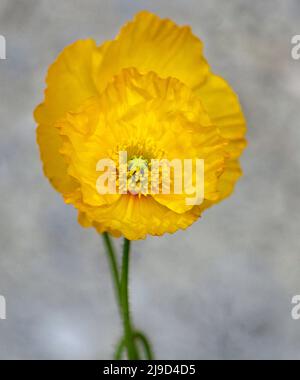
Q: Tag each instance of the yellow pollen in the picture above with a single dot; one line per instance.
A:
(137, 175)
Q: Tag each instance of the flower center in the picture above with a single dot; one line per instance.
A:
(137, 175)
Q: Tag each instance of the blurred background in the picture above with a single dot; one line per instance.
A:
(220, 290)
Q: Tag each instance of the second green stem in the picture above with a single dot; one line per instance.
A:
(128, 331)
(131, 337)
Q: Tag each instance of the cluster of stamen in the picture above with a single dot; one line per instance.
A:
(137, 175)
(134, 174)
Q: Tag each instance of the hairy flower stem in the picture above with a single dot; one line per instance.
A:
(128, 332)
(121, 289)
(113, 267)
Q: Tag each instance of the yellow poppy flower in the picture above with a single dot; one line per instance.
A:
(150, 93)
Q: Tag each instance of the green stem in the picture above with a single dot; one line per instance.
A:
(131, 337)
(144, 341)
(120, 348)
(128, 333)
(113, 266)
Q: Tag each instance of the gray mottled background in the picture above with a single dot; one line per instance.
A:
(220, 290)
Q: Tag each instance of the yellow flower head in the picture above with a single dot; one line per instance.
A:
(148, 93)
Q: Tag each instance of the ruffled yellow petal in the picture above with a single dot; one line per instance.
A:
(150, 43)
(223, 108)
(136, 217)
(69, 83)
(82, 149)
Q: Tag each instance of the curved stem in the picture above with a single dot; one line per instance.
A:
(128, 333)
(120, 348)
(113, 266)
(147, 347)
